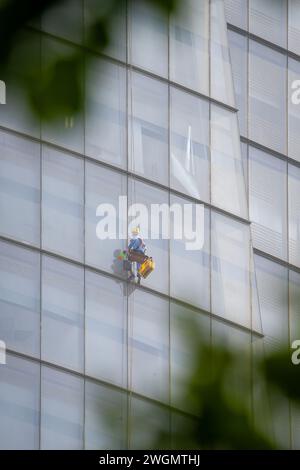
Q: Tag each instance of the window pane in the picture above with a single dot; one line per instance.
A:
(22, 70)
(153, 199)
(149, 343)
(268, 19)
(62, 410)
(189, 269)
(67, 130)
(268, 193)
(147, 422)
(189, 144)
(239, 64)
(189, 45)
(256, 323)
(148, 131)
(237, 387)
(294, 215)
(271, 410)
(267, 97)
(244, 149)
(273, 297)
(294, 303)
(62, 199)
(105, 417)
(65, 20)
(93, 15)
(230, 269)
(62, 313)
(227, 176)
(106, 329)
(20, 299)
(237, 13)
(19, 404)
(103, 187)
(148, 40)
(294, 26)
(187, 327)
(105, 136)
(221, 73)
(20, 188)
(294, 109)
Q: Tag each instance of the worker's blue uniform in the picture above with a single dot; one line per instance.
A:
(137, 244)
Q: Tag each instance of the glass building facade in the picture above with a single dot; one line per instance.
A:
(83, 344)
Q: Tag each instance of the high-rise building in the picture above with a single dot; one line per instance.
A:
(197, 108)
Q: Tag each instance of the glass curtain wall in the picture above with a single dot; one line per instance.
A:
(164, 111)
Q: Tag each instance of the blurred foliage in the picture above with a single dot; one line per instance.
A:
(55, 90)
(14, 15)
(216, 408)
(283, 374)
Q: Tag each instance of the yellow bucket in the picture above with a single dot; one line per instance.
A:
(147, 267)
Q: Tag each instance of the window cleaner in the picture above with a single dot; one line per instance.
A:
(141, 264)
(136, 253)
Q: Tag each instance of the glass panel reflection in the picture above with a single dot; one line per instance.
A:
(189, 45)
(189, 144)
(19, 188)
(62, 397)
(230, 269)
(105, 132)
(267, 96)
(62, 313)
(268, 202)
(149, 345)
(62, 203)
(228, 190)
(20, 299)
(148, 127)
(106, 329)
(105, 417)
(19, 404)
(148, 37)
(294, 215)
